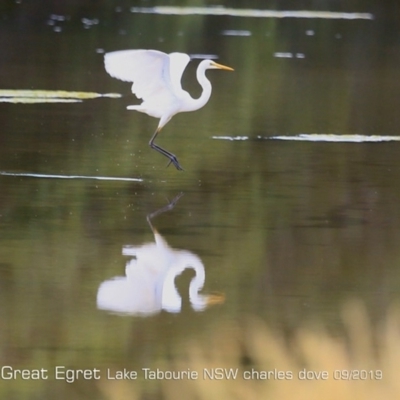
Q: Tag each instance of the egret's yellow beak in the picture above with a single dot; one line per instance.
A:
(220, 66)
(216, 298)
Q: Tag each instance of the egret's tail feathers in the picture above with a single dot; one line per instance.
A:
(137, 108)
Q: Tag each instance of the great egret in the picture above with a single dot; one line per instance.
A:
(149, 284)
(157, 80)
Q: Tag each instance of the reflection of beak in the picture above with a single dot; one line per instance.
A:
(220, 66)
(212, 299)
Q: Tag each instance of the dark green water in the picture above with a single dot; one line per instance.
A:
(286, 230)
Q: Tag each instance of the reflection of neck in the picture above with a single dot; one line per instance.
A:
(171, 300)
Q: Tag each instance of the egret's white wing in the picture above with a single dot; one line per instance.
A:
(152, 72)
(177, 64)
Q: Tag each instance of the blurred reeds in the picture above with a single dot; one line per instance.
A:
(360, 364)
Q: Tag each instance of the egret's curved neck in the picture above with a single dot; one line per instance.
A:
(171, 300)
(195, 104)
(198, 280)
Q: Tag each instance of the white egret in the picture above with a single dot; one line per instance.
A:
(156, 78)
(149, 282)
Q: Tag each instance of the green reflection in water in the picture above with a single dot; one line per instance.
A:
(288, 230)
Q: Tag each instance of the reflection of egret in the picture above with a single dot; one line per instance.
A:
(149, 285)
(157, 80)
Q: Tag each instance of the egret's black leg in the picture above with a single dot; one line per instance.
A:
(172, 158)
(164, 209)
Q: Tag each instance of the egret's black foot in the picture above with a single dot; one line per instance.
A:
(174, 161)
(172, 158)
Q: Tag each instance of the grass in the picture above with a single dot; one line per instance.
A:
(361, 364)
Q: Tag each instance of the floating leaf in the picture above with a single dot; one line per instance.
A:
(49, 176)
(48, 96)
(236, 12)
(322, 137)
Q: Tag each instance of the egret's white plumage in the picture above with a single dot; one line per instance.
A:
(156, 78)
(149, 282)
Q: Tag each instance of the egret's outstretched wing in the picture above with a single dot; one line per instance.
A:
(177, 64)
(152, 72)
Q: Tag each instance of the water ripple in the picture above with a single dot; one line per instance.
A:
(236, 12)
(99, 178)
(321, 137)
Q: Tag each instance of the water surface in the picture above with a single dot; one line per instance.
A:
(286, 230)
